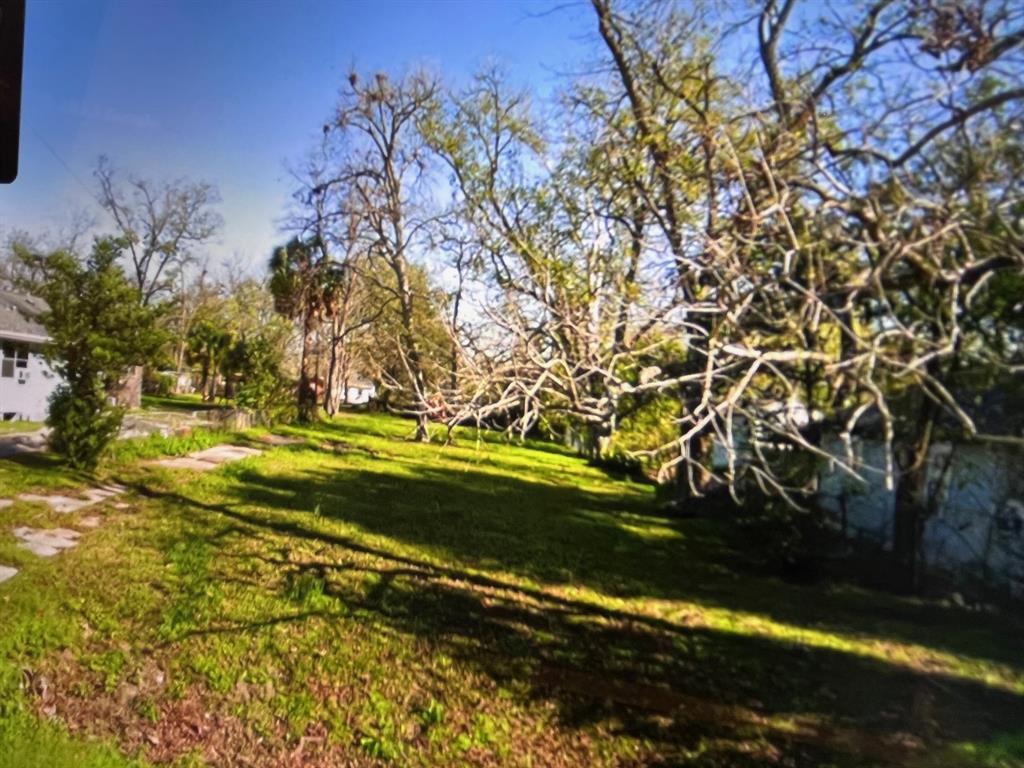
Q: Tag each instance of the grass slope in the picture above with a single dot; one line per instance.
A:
(359, 599)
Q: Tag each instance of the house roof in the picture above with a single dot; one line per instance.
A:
(361, 383)
(19, 317)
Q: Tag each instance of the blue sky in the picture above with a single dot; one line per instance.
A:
(230, 92)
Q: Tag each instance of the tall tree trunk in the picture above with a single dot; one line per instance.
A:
(179, 364)
(307, 395)
(911, 503)
(344, 376)
(204, 385)
(412, 348)
(332, 364)
(210, 380)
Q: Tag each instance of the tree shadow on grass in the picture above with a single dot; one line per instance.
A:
(672, 685)
(614, 543)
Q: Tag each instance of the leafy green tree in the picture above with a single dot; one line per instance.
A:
(304, 285)
(208, 343)
(263, 389)
(98, 329)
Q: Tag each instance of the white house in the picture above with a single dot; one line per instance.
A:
(357, 391)
(26, 381)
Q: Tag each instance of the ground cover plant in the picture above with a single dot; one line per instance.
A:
(358, 598)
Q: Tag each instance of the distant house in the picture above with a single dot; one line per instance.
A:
(26, 381)
(357, 391)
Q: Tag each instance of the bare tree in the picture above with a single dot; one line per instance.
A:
(575, 276)
(847, 251)
(163, 223)
(380, 182)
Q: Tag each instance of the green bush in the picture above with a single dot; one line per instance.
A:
(98, 329)
(648, 425)
(83, 425)
(159, 384)
(264, 389)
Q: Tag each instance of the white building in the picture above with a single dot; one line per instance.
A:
(26, 381)
(357, 391)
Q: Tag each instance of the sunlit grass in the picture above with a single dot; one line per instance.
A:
(13, 427)
(407, 598)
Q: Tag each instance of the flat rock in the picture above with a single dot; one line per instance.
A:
(26, 442)
(186, 462)
(57, 503)
(46, 542)
(4, 503)
(65, 504)
(104, 492)
(210, 458)
(220, 454)
(6, 572)
(92, 521)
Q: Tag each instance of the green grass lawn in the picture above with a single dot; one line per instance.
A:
(183, 402)
(13, 427)
(360, 599)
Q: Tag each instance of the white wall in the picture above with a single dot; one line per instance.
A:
(28, 393)
(981, 500)
(360, 395)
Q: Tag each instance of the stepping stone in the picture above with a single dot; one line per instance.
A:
(15, 445)
(92, 521)
(6, 572)
(57, 503)
(63, 504)
(104, 492)
(122, 505)
(186, 462)
(210, 458)
(220, 454)
(46, 542)
(4, 503)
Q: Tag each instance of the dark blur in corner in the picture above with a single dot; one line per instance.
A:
(12, 48)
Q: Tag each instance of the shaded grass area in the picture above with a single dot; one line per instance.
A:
(362, 599)
(43, 472)
(184, 402)
(36, 472)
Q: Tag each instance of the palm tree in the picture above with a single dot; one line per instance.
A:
(207, 344)
(303, 282)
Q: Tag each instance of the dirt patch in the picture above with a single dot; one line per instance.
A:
(146, 719)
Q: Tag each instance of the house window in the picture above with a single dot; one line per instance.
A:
(12, 356)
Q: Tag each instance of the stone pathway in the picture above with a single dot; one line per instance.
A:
(22, 442)
(210, 458)
(47, 542)
(65, 504)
